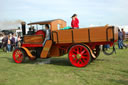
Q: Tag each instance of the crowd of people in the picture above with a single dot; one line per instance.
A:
(10, 42)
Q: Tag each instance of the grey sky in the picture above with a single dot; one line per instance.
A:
(97, 12)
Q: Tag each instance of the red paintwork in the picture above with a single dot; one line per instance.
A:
(18, 56)
(32, 45)
(84, 58)
(92, 45)
(40, 32)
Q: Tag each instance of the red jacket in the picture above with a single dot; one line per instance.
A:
(75, 23)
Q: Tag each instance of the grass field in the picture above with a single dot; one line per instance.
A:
(105, 70)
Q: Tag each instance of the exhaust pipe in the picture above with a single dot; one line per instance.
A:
(23, 26)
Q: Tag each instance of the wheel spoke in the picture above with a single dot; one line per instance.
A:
(74, 51)
(82, 52)
(81, 49)
(81, 62)
(85, 58)
(77, 50)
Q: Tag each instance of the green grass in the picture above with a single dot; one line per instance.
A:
(105, 70)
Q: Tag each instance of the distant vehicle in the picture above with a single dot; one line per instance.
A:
(6, 32)
(81, 45)
(19, 32)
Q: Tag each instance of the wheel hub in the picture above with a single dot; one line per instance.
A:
(78, 56)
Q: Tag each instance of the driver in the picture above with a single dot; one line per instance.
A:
(47, 37)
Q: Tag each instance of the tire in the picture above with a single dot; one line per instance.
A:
(19, 55)
(79, 55)
(108, 53)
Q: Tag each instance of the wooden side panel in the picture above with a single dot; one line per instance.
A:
(64, 36)
(98, 34)
(33, 39)
(54, 51)
(103, 34)
(54, 35)
(80, 35)
(46, 49)
(95, 34)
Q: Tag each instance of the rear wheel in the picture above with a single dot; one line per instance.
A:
(79, 55)
(19, 55)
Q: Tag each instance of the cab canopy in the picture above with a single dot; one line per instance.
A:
(54, 24)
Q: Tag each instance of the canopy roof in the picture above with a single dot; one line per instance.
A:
(45, 22)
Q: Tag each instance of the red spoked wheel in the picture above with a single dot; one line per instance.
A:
(79, 55)
(19, 55)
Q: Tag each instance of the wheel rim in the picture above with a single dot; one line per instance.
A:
(79, 56)
(18, 56)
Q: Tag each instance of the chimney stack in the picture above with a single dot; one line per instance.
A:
(23, 26)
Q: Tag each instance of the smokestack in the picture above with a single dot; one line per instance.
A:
(23, 26)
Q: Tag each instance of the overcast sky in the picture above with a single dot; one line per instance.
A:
(96, 12)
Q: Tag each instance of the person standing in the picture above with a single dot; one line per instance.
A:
(123, 33)
(75, 22)
(123, 38)
(9, 44)
(13, 42)
(47, 37)
(120, 39)
(18, 41)
(4, 43)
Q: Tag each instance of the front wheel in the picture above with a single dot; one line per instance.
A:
(79, 55)
(19, 55)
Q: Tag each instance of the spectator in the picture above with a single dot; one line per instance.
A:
(123, 38)
(123, 33)
(9, 42)
(107, 46)
(120, 39)
(13, 41)
(4, 43)
(19, 41)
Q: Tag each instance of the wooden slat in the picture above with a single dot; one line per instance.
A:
(33, 39)
(80, 35)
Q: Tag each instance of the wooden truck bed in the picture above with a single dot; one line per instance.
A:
(86, 35)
